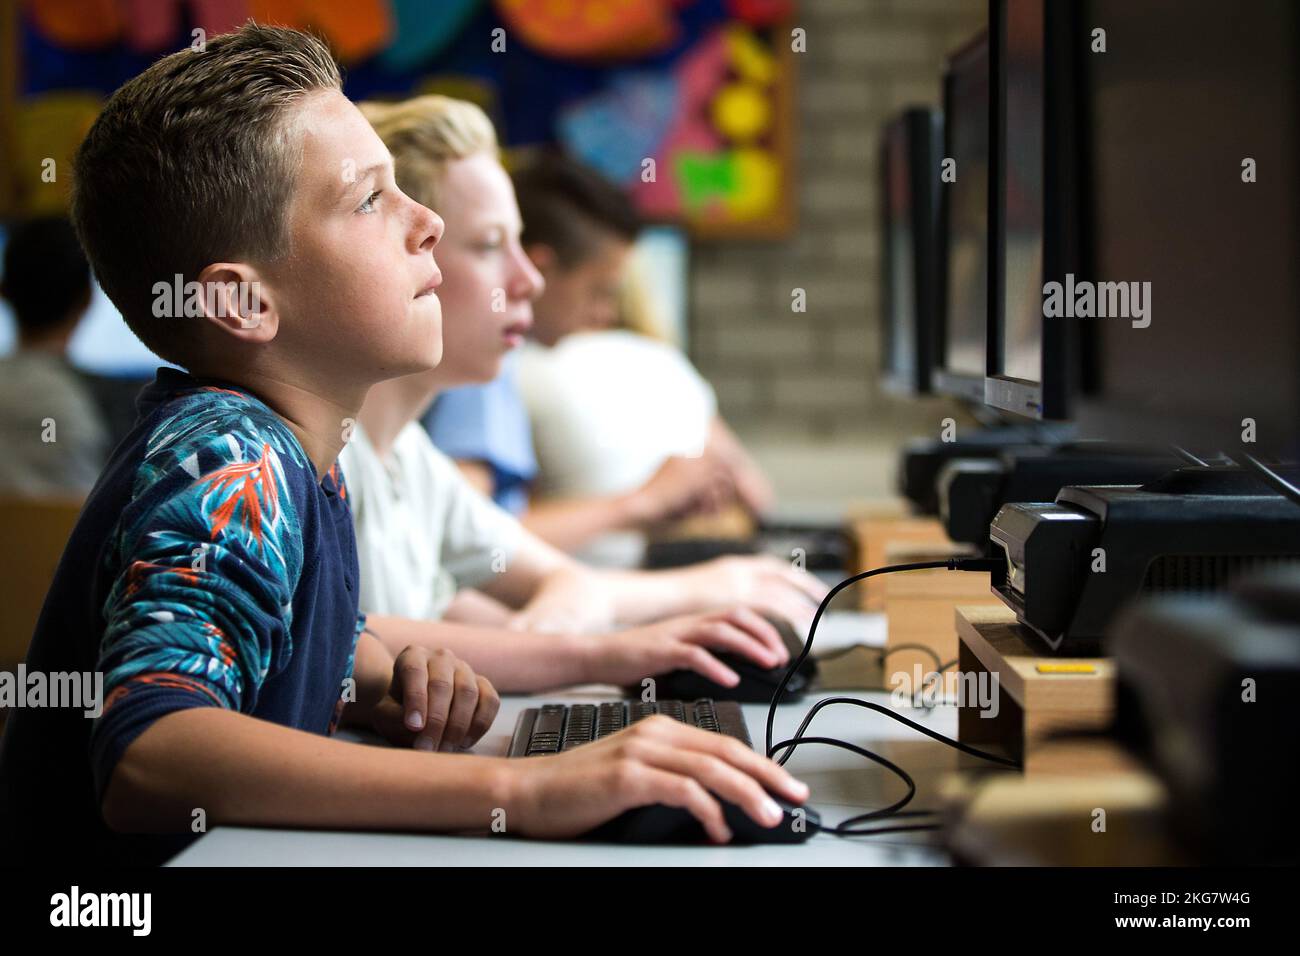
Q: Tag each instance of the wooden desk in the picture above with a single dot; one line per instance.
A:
(1117, 819)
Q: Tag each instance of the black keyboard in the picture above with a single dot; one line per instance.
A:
(553, 728)
(826, 548)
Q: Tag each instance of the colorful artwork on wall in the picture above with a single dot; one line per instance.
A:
(687, 103)
(699, 143)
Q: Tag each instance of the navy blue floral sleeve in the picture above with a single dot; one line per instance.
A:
(210, 567)
(208, 556)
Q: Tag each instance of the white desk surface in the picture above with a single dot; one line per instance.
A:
(842, 784)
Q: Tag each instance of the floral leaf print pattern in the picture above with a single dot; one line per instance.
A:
(210, 553)
(212, 567)
(244, 484)
(248, 492)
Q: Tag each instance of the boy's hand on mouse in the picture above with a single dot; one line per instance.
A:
(435, 702)
(685, 643)
(656, 760)
(763, 582)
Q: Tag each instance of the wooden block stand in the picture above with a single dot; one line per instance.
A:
(875, 533)
(1035, 699)
(919, 608)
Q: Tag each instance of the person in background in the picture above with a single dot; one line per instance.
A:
(485, 429)
(55, 440)
(423, 531)
(212, 578)
(614, 412)
(624, 432)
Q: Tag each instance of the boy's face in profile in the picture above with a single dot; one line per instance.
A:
(490, 281)
(355, 292)
(584, 296)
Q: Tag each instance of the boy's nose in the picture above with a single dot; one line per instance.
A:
(529, 283)
(429, 229)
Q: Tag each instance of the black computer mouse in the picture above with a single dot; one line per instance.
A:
(657, 823)
(757, 684)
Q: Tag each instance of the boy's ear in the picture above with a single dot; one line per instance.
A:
(238, 302)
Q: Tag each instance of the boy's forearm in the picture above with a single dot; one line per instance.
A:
(244, 771)
(372, 669)
(597, 599)
(642, 596)
(514, 661)
(570, 524)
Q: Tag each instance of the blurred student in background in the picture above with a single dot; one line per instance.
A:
(485, 428)
(625, 431)
(424, 532)
(54, 438)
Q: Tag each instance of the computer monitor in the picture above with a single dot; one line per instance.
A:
(1192, 149)
(909, 171)
(964, 216)
(1034, 47)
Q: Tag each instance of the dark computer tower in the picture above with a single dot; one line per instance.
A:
(972, 490)
(1073, 563)
(921, 459)
(1206, 694)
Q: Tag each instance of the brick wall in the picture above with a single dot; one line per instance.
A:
(813, 374)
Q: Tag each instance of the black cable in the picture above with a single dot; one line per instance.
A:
(937, 672)
(896, 808)
(893, 715)
(882, 651)
(877, 830)
(1270, 477)
(928, 682)
(1187, 456)
(951, 564)
(873, 757)
(913, 647)
(845, 651)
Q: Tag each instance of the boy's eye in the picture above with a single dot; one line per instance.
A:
(369, 204)
(491, 240)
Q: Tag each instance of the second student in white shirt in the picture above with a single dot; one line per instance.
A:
(423, 532)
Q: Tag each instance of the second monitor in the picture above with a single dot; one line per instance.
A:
(1033, 52)
(964, 210)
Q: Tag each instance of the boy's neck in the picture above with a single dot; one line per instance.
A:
(317, 421)
(392, 405)
(50, 341)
